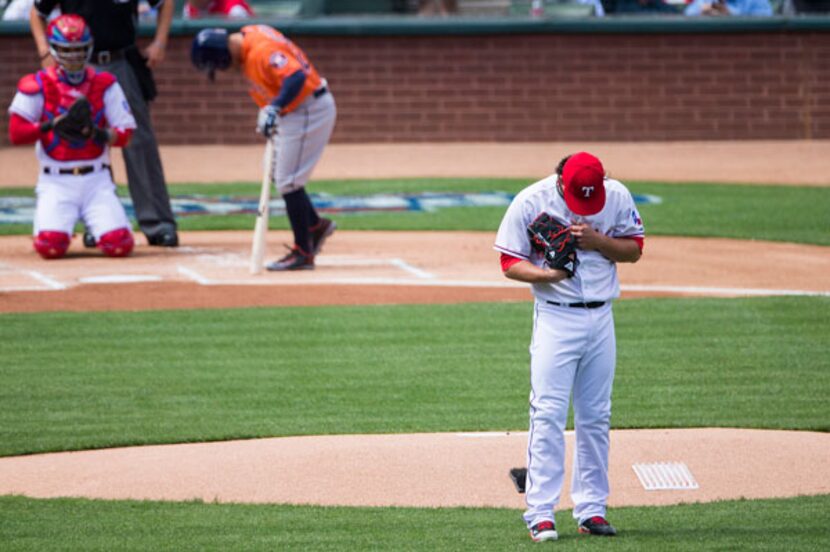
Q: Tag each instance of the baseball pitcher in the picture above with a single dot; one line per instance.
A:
(564, 235)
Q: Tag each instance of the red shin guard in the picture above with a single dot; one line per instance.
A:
(117, 243)
(51, 245)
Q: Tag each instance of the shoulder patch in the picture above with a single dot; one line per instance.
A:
(278, 60)
(29, 85)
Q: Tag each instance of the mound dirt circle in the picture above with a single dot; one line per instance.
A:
(415, 470)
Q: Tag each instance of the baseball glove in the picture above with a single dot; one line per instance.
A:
(76, 124)
(554, 240)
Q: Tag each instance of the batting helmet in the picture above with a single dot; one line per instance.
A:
(70, 43)
(210, 51)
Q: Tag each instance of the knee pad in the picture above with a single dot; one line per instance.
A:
(117, 243)
(51, 245)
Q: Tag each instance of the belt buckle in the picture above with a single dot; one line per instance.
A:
(76, 171)
(104, 57)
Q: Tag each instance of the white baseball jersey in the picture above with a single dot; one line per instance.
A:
(596, 277)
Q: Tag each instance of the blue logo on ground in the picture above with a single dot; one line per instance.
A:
(21, 209)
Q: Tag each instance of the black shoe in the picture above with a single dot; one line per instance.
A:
(89, 240)
(164, 239)
(597, 525)
(320, 232)
(296, 259)
(543, 531)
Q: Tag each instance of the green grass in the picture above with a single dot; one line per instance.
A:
(777, 213)
(68, 524)
(90, 380)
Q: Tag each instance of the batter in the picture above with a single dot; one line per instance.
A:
(74, 182)
(297, 113)
(573, 348)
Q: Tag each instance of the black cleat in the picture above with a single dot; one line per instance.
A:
(597, 525)
(296, 259)
(89, 240)
(164, 239)
(320, 232)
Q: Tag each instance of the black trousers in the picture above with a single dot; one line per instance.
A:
(145, 175)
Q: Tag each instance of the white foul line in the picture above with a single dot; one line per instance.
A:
(45, 280)
(193, 275)
(120, 279)
(403, 265)
(722, 291)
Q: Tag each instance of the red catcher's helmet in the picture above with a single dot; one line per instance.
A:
(70, 43)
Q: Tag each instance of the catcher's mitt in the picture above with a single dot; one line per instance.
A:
(554, 240)
(76, 124)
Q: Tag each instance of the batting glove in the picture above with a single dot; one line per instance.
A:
(267, 120)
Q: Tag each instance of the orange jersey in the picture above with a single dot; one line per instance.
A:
(268, 57)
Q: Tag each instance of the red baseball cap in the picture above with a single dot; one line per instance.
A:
(582, 184)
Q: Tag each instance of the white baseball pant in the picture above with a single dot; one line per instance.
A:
(573, 350)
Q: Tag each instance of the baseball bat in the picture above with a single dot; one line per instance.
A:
(261, 227)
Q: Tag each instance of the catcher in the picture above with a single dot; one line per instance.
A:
(73, 115)
(564, 235)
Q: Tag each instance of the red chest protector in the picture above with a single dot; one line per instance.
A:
(58, 95)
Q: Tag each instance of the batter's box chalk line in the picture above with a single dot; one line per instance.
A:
(665, 476)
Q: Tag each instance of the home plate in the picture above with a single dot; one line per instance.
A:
(120, 279)
(665, 476)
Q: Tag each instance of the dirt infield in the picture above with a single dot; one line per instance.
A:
(210, 270)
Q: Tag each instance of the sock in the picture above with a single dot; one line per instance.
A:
(313, 217)
(298, 215)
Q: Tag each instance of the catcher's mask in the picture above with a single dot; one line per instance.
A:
(70, 43)
(210, 51)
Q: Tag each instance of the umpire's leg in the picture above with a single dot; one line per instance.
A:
(145, 176)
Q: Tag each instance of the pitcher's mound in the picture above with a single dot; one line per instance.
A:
(422, 470)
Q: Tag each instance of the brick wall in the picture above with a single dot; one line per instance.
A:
(544, 87)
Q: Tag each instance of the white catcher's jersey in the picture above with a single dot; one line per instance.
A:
(596, 276)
